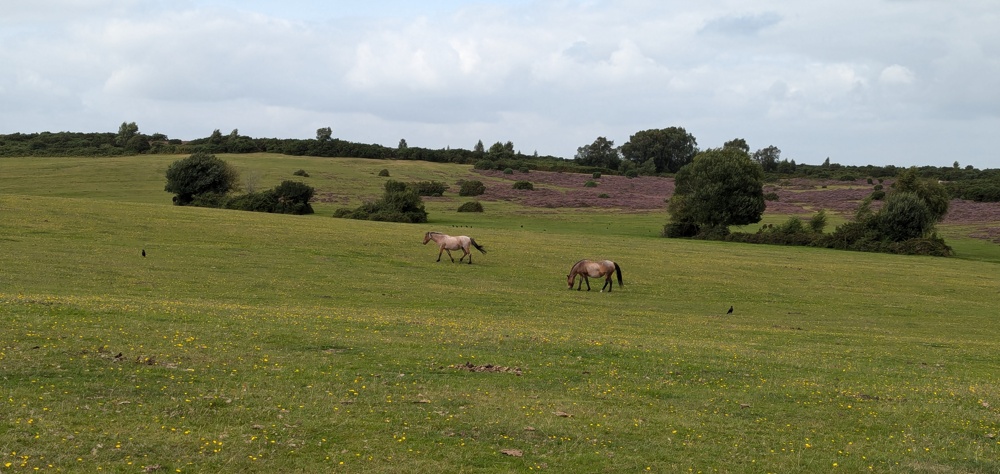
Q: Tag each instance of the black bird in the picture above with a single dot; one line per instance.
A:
(730, 310)
(143, 252)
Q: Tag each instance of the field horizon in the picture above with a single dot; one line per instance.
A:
(248, 342)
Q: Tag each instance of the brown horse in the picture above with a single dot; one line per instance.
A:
(587, 268)
(447, 243)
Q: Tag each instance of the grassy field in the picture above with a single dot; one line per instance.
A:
(248, 342)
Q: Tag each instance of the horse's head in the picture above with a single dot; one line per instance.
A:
(427, 238)
(569, 280)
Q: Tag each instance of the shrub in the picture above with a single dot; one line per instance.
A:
(399, 203)
(905, 216)
(818, 222)
(524, 169)
(293, 198)
(596, 175)
(471, 206)
(870, 181)
(791, 226)
(526, 185)
(877, 187)
(848, 177)
(471, 188)
(632, 173)
(772, 196)
(429, 188)
(680, 230)
(384, 172)
(603, 196)
(301, 173)
(197, 174)
(485, 165)
(590, 184)
(508, 171)
(878, 195)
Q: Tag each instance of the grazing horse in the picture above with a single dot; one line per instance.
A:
(587, 268)
(447, 243)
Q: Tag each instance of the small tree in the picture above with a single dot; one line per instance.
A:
(720, 188)
(293, 197)
(472, 188)
(199, 173)
(324, 134)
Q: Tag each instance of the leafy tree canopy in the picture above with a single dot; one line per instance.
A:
(669, 148)
(720, 188)
(601, 153)
(200, 173)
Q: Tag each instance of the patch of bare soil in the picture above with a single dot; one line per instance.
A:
(487, 368)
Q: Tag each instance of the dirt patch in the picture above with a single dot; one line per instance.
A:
(487, 368)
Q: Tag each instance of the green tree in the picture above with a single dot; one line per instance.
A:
(402, 144)
(324, 134)
(739, 144)
(126, 132)
(933, 193)
(768, 158)
(669, 148)
(600, 153)
(720, 188)
(479, 150)
(200, 173)
(905, 216)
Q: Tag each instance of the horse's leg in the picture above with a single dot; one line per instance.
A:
(607, 281)
(588, 282)
(440, 251)
(449, 255)
(580, 285)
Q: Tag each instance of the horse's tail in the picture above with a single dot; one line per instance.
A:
(477, 246)
(618, 271)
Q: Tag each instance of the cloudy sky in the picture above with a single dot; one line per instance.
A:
(903, 82)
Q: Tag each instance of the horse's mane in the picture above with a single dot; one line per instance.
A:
(579, 262)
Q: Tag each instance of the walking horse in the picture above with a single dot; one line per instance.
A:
(447, 243)
(592, 269)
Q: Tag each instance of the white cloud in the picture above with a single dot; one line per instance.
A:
(547, 75)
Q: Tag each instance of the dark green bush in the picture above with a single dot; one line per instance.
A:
(524, 169)
(877, 195)
(603, 196)
(429, 188)
(471, 206)
(596, 175)
(485, 165)
(384, 172)
(877, 187)
(399, 203)
(590, 184)
(818, 222)
(197, 174)
(772, 196)
(471, 188)
(508, 171)
(301, 173)
(679, 230)
(293, 198)
(632, 173)
(523, 185)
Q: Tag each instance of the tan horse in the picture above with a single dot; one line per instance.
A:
(447, 243)
(587, 268)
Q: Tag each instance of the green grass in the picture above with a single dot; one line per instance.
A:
(265, 343)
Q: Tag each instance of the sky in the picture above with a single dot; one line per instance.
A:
(881, 82)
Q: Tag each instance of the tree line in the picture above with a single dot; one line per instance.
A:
(647, 152)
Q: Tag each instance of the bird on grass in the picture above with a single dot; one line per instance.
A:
(730, 310)
(143, 252)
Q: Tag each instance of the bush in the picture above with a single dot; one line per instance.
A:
(680, 230)
(848, 177)
(508, 171)
(526, 185)
(485, 165)
(772, 196)
(429, 188)
(384, 173)
(399, 203)
(632, 173)
(471, 206)
(472, 188)
(596, 175)
(524, 169)
(877, 187)
(905, 216)
(199, 173)
(877, 195)
(293, 198)
(603, 196)
(301, 173)
(590, 184)
(818, 222)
